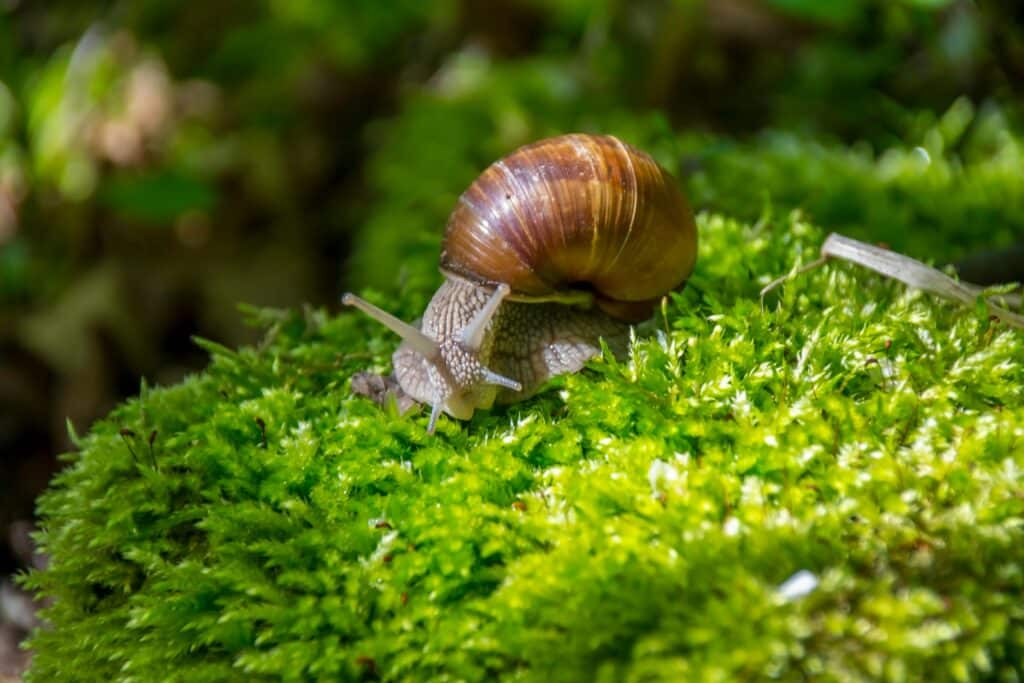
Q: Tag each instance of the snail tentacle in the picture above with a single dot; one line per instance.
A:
(435, 412)
(473, 333)
(494, 379)
(409, 334)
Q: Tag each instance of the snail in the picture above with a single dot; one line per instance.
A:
(560, 244)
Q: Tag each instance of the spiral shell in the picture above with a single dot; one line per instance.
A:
(575, 212)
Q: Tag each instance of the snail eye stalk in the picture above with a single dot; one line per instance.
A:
(409, 334)
(473, 333)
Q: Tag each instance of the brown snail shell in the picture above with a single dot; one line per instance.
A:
(575, 212)
(580, 219)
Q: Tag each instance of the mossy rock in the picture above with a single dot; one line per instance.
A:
(828, 486)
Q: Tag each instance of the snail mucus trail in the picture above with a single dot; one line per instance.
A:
(560, 244)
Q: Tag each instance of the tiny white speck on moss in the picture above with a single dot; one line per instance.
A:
(384, 546)
(799, 585)
(660, 471)
(731, 526)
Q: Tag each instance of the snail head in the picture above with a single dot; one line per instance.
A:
(446, 370)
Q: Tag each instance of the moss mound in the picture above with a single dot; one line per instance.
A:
(829, 487)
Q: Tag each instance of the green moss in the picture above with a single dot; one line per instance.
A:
(633, 522)
(953, 187)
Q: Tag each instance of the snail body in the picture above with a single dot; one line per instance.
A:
(554, 247)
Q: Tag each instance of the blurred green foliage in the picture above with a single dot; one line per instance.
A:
(261, 117)
(958, 177)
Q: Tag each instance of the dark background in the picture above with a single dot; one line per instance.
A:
(161, 162)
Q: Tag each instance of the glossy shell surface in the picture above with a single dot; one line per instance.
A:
(575, 212)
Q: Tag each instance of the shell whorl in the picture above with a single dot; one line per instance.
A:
(575, 211)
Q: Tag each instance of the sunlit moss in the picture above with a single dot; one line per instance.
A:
(636, 521)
